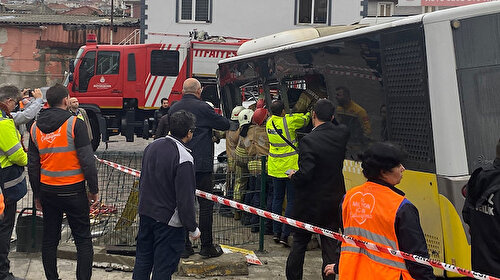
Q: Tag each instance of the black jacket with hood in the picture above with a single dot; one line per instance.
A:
(482, 213)
(49, 121)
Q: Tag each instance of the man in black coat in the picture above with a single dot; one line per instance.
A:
(482, 213)
(203, 153)
(319, 186)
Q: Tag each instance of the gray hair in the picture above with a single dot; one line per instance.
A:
(9, 91)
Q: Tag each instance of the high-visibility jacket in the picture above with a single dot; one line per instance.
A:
(58, 158)
(369, 213)
(11, 152)
(281, 155)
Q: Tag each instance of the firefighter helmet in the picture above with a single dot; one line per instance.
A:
(245, 117)
(259, 116)
(235, 112)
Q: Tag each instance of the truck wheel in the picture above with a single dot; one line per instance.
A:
(96, 132)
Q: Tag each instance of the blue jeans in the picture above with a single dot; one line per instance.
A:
(159, 248)
(280, 186)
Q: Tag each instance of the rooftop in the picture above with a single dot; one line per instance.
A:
(31, 19)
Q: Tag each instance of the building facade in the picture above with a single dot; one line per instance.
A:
(164, 21)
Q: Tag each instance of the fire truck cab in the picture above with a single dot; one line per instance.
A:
(120, 86)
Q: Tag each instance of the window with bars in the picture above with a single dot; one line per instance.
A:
(385, 9)
(194, 10)
(312, 11)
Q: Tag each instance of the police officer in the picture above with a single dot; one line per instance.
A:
(283, 157)
(482, 213)
(12, 157)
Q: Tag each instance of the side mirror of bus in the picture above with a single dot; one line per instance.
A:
(72, 66)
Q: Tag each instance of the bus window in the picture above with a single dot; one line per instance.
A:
(477, 73)
(86, 71)
(108, 63)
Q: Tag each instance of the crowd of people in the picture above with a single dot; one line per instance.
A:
(306, 169)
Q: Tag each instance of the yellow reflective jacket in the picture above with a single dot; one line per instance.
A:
(281, 156)
(11, 150)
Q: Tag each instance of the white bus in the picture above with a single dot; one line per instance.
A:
(430, 83)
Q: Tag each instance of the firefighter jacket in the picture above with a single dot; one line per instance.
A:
(12, 155)
(231, 143)
(482, 213)
(259, 146)
(372, 212)
(60, 155)
(281, 155)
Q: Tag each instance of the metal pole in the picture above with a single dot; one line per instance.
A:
(111, 32)
(263, 202)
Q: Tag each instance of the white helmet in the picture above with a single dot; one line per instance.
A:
(236, 111)
(245, 117)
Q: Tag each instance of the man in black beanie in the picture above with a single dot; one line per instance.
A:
(482, 213)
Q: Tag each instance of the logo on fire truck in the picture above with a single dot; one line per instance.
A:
(102, 84)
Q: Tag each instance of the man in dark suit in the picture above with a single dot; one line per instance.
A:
(202, 148)
(318, 185)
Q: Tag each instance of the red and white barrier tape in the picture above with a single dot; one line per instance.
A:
(318, 230)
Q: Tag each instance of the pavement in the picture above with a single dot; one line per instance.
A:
(29, 265)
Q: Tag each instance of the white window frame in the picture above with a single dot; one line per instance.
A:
(193, 13)
(297, 8)
(380, 9)
(429, 9)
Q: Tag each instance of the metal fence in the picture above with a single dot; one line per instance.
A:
(115, 221)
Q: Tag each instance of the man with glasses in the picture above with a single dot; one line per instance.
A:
(12, 160)
(166, 202)
(203, 153)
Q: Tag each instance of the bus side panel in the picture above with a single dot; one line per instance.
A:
(454, 237)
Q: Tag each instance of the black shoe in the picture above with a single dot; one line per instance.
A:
(187, 252)
(276, 238)
(212, 251)
(284, 241)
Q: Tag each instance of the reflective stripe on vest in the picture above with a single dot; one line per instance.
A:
(14, 149)
(13, 182)
(369, 214)
(58, 158)
(373, 257)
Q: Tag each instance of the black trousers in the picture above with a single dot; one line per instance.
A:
(204, 183)
(76, 207)
(6, 227)
(295, 261)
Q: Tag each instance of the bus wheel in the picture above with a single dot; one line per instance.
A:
(96, 132)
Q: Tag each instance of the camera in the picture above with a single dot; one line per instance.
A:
(30, 92)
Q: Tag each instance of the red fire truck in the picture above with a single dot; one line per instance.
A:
(120, 86)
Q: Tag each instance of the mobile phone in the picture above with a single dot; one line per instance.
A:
(289, 171)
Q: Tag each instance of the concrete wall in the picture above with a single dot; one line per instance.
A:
(239, 18)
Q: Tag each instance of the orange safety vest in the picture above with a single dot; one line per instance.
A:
(58, 159)
(369, 214)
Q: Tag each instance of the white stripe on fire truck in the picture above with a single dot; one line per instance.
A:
(151, 85)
